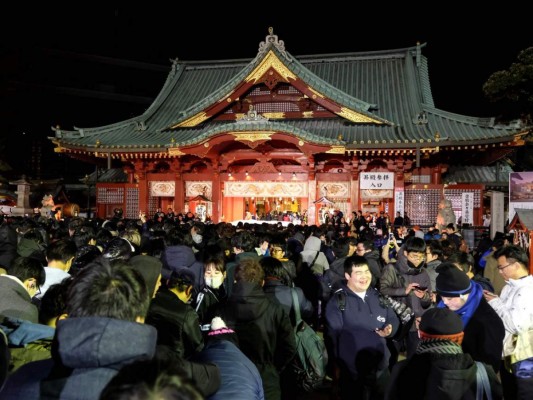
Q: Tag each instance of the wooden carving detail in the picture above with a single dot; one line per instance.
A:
(264, 167)
(272, 78)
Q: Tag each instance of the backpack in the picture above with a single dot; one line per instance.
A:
(330, 283)
(308, 368)
(404, 313)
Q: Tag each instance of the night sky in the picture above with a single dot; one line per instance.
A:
(463, 48)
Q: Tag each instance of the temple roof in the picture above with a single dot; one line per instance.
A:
(491, 176)
(373, 99)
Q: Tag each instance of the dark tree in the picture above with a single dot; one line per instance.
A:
(512, 89)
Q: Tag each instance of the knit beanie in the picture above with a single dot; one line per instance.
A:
(220, 331)
(451, 281)
(441, 323)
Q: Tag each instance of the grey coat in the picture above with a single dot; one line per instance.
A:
(15, 301)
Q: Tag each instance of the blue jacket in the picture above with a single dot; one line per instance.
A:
(240, 379)
(90, 351)
(352, 331)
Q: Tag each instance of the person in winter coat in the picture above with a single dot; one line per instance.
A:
(278, 250)
(204, 375)
(213, 293)
(240, 379)
(357, 324)
(515, 308)
(439, 369)
(367, 250)
(313, 256)
(334, 276)
(467, 263)
(243, 244)
(18, 286)
(177, 324)
(106, 305)
(310, 270)
(491, 271)
(278, 287)
(263, 328)
(178, 254)
(433, 260)
(408, 281)
(483, 328)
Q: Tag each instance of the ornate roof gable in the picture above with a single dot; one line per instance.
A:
(273, 66)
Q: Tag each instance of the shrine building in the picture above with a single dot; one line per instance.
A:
(349, 131)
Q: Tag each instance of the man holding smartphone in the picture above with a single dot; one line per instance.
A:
(515, 308)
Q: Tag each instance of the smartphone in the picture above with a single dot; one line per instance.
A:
(391, 236)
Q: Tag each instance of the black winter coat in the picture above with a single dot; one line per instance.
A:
(264, 331)
(438, 376)
(177, 324)
(484, 334)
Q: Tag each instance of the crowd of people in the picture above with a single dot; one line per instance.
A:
(168, 307)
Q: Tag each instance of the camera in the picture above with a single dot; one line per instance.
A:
(402, 310)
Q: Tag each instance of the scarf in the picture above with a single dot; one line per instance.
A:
(471, 305)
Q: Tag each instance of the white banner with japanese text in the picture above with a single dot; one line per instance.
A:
(467, 208)
(376, 180)
(399, 202)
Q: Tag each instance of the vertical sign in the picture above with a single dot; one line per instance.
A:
(398, 203)
(467, 208)
(497, 213)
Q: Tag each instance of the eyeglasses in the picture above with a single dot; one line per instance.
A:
(501, 268)
(413, 254)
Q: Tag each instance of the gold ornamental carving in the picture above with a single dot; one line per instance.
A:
(196, 188)
(162, 188)
(252, 136)
(270, 61)
(337, 150)
(339, 190)
(265, 189)
(274, 115)
(174, 151)
(308, 114)
(357, 117)
(192, 121)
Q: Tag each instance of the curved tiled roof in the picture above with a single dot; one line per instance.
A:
(392, 86)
